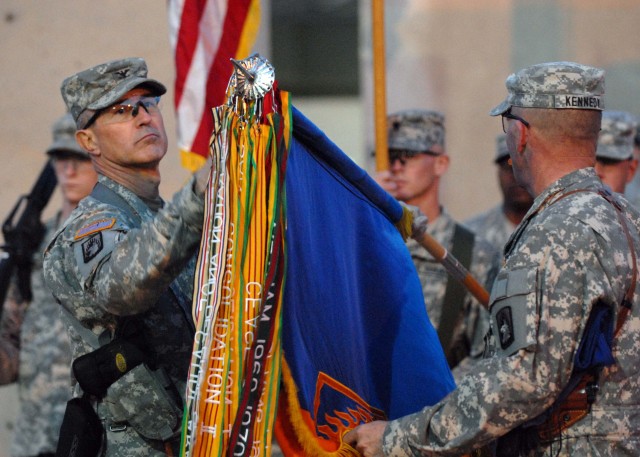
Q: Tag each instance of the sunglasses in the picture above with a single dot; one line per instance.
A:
(126, 110)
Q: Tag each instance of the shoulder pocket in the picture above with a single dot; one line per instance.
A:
(514, 310)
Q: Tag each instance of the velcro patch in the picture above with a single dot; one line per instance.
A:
(92, 246)
(94, 227)
(505, 327)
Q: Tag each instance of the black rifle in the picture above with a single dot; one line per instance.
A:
(23, 232)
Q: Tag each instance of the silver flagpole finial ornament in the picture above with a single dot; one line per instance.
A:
(253, 77)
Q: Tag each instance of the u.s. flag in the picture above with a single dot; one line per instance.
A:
(204, 35)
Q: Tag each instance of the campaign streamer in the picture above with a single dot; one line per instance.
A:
(234, 376)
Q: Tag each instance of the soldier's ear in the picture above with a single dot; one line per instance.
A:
(633, 168)
(441, 164)
(87, 141)
(522, 137)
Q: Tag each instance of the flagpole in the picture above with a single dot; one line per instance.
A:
(379, 85)
(450, 263)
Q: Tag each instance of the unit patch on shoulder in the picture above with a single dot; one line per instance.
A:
(94, 227)
(91, 247)
(504, 322)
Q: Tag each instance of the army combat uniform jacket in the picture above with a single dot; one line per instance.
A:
(109, 262)
(493, 226)
(471, 328)
(569, 252)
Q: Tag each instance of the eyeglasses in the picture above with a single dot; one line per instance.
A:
(403, 154)
(126, 110)
(508, 115)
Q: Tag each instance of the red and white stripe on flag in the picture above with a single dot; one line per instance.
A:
(204, 35)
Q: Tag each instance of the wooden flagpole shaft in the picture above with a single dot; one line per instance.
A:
(455, 269)
(379, 85)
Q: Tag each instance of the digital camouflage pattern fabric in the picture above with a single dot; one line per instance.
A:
(554, 85)
(45, 361)
(64, 138)
(615, 141)
(567, 254)
(493, 226)
(102, 85)
(415, 130)
(471, 329)
(12, 317)
(108, 262)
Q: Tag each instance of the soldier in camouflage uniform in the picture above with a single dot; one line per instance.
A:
(615, 162)
(572, 260)
(122, 265)
(44, 351)
(498, 223)
(418, 160)
(632, 191)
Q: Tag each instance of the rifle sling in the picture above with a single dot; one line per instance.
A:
(461, 249)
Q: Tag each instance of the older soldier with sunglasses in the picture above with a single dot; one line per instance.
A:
(122, 267)
(418, 161)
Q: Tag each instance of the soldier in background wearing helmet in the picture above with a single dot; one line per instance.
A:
(615, 162)
(562, 373)
(122, 265)
(417, 162)
(498, 223)
(34, 347)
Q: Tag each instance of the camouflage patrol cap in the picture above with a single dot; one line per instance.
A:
(554, 85)
(415, 130)
(501, 148)
(64, 138)
(617, 133)
(103, 85)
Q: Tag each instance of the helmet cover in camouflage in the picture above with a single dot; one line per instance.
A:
(554, 85)
(64, 138)
(415, 130)
(103, 85)
(501, 148)
(617, 133)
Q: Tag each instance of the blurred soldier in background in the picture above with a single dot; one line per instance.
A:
(33, 333)
(615, 161)
(418, 161)
(498, 223)
(632, 191)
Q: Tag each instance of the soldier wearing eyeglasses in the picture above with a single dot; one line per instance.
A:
(562, 377)
(498, 223)
(418, 161)
(122, 265)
